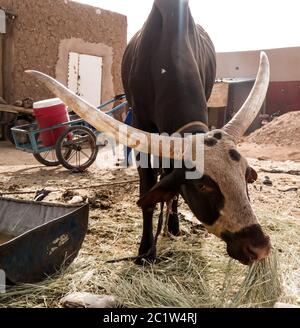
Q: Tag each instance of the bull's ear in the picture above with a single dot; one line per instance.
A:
(166, 189)
(251, 175)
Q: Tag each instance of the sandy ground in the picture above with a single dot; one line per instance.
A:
(117, 204)
(21, 172)
(10, 156)
(270, 152)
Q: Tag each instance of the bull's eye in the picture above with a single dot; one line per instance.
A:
(201, 187)
(204, 188)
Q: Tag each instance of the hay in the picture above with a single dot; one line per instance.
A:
(261, 286)
(186, 285)
(180, 279)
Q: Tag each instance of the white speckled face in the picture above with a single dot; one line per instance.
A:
(227, 167)
(220, 198)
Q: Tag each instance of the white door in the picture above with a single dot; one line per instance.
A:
(73, 72)
(85, 77)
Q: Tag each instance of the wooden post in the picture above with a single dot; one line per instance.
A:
(219, 95)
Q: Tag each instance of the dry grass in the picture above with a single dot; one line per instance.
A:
(188, 274)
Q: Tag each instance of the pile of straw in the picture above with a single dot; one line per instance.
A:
(183, 277)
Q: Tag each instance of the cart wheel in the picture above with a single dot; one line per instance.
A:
(47, 158)
(76, 148)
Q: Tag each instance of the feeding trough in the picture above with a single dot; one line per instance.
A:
(37, 239)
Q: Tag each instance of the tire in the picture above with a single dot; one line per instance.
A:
(42, 158)
(76, 143)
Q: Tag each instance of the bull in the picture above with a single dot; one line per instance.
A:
(168, 72)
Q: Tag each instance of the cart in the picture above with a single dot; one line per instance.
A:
(40, 238)
(76, 147)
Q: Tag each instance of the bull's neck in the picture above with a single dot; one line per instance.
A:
(179, 86)
(175, 13)
(172, 68)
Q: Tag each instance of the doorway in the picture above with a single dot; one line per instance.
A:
(85, 77)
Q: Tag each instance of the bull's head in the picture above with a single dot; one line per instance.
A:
(219, 198)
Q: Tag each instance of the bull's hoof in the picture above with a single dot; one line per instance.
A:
(148, 257)
(173, 226)
(173, 234)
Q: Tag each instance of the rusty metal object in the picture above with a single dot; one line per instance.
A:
(46, 238)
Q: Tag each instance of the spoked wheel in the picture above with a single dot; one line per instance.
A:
(79, 144)
(47, 158)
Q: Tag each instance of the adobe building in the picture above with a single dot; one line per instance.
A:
(79, 45)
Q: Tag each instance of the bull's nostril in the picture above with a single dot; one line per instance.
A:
(251, 252)
(257, 253)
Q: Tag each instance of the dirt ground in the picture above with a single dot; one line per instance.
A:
(278, 140)
(270, 152)
(117, 204)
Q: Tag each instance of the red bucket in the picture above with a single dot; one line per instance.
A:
(48, 113)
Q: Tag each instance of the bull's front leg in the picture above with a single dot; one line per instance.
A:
(147, 249)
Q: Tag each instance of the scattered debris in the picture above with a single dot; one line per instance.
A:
(277, 171)
(267, 181)
(41, 194)
(289, 189)
(101, 200)
(18, 103)
(76, 200)
(87, 300)
(12, 187)
(68, 195)
(27, 103)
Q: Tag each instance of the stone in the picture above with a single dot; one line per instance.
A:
(76, 200)
(267, 181)
(87, 300)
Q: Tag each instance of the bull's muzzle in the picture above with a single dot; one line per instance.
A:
(248, 245)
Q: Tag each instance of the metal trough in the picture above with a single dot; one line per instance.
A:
(37, 239)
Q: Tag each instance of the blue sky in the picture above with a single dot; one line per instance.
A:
(232, 24)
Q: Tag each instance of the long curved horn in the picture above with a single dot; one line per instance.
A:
(134, 138)
(248, 112)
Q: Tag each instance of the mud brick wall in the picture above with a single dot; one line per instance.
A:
(43, 34)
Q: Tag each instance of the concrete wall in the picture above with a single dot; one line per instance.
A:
(284, 64)
(284, 88)
(43, 34)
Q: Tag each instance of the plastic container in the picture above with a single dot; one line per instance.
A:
(48, 113)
